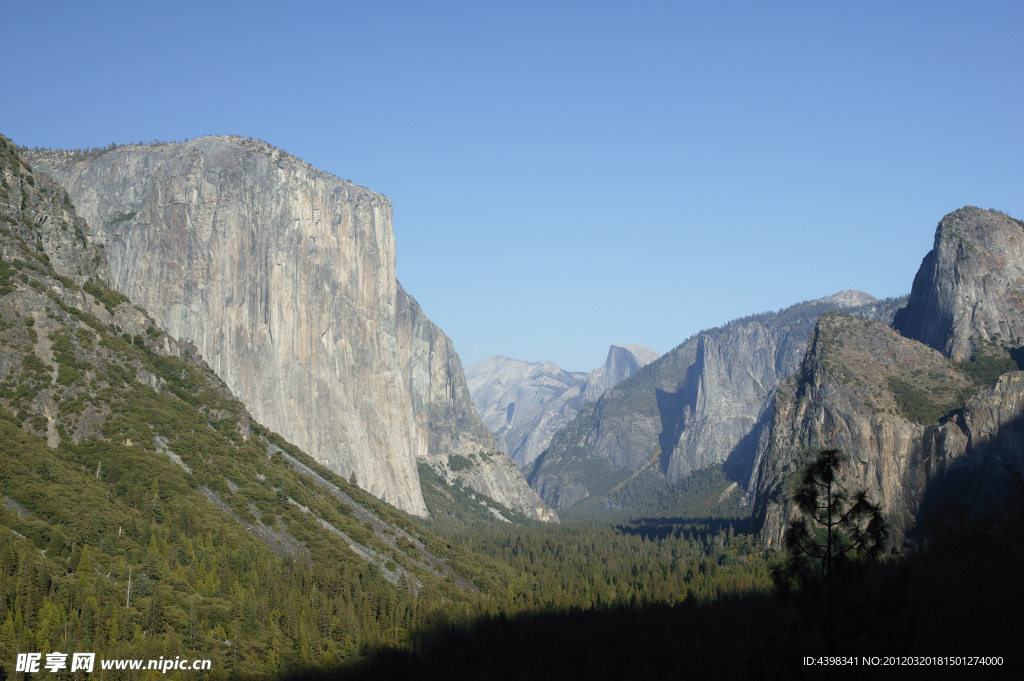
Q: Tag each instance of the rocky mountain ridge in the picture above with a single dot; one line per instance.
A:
(95, 377)
(933, 419)
(704, 403)
(524, 404)
(143, 509)
(283, 277)
(969, 290)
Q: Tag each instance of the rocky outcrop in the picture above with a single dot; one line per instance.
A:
(283, 276)
(896, 408)
(970, 287)
(445, 412)
(622, 362)
(90, 375)
(704, 403)
(973, 465)
(524, 403)
(933, 437)
(868, 391)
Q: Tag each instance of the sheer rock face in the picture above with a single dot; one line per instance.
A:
(622, 362)
(731, 380)
(524, 403)
(704, 403)
(445, 412)
(970, 287)
(862, 387)
(975, 463)
(846, 397)
(283, 276)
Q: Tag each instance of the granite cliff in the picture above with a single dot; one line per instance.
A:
(970, 287)
(127, 467)
(704, 403)
(622, 362)
(283, 276)
(933, 429)
(524, 403)
(870, 392)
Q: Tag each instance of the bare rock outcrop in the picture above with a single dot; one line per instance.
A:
(870, 392)
(969, 289)
(897, 409)
(525, 403)
(704, 403)
(933, 431)
(283, 276)
(622, 362)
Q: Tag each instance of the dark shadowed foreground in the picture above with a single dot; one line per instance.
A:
(959, 598)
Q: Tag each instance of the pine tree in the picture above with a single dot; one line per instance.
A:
(829, 542)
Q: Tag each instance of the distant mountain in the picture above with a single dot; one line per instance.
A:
(283, 277)
(622, 362)
(524, 404)
(933, 428)
(703, 404)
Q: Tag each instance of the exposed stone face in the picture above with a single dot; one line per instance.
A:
(970, 287)
(862, 389)
(622, 362)
(922, 473)
(283, 276)
(51, 319)
(706, 402)
(445, 411)
(974, 465)
(844, 398)
(524, 403)
(732, 378)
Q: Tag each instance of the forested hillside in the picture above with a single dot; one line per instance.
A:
(145, 514)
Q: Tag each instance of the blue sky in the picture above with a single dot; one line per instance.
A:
(570, 175)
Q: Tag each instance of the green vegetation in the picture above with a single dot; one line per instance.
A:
(592, 565)
(707, 493)
(201, 583)
(107, 296)
(919, 405)
(827, 543)
(124, 217)
(158, 520)
(458, 462)
(985, 368)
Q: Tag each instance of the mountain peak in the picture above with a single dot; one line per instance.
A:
(849, 298)
(967, 290)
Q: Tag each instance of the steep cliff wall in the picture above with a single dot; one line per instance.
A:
(283, 276)
(701, 404)
(524, 403)
(932, 430)
(970, 287)
(622, 362)
(897, 409)
(445, 412)
(870, 392)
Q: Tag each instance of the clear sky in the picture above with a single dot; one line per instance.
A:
(567, 175)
